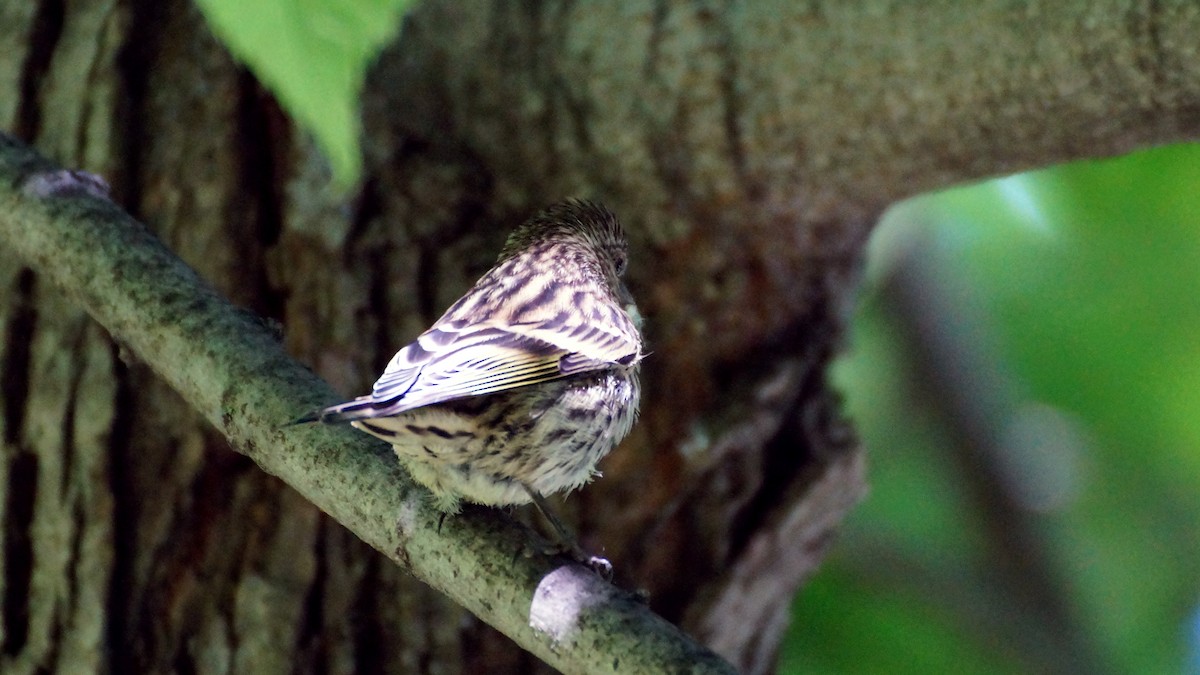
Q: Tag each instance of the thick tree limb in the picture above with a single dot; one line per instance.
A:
(231, 367)
(813, 112)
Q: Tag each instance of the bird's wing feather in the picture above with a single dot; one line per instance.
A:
(450, 362)
(580, 319)
(589, 347)
(481, 361)
(555, 334)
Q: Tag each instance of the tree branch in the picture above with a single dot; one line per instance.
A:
(229, 364)
(812, 112)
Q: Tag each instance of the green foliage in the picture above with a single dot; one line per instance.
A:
(1087, 279)
(313, 56)
(883, 631)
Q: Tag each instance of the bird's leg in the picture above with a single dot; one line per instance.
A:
(566, 540)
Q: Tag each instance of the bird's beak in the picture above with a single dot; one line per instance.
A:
(630, 307)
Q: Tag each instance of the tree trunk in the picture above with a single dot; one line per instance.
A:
(137, 541)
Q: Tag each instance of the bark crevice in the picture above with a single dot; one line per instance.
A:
(43, 40)
(23, 476)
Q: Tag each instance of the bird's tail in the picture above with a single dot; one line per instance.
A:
(341, 413)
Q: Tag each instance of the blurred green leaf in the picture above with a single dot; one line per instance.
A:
(313, 55)
(848, 624)
(1087, 277)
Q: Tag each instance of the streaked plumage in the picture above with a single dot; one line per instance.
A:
(525, 382)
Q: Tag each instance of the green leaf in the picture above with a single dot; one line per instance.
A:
(1083, 279)
(313, 55)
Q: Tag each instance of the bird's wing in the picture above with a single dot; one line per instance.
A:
(474, 361)
(580, 319)
(589, 346)
(455, 359)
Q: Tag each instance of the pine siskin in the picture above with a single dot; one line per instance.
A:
(525, 382)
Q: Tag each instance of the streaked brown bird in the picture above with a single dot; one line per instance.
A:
(520, 388)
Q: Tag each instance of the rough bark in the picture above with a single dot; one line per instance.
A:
(748, 148)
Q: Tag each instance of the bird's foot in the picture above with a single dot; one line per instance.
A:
(567, 544)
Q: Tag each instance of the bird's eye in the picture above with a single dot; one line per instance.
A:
(619, 262)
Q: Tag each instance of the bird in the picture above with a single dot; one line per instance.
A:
(525, 382)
